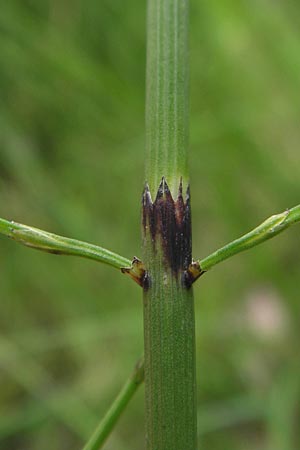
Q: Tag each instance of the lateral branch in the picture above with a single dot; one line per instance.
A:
(59, 245)
(266, 230)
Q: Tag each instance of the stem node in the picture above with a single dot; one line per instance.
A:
(136, 271)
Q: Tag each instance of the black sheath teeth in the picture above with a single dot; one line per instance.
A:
(169, 223)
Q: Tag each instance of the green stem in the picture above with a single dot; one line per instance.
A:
(169, 329)
(109, 421)
(52, 243)
(167, 93)
(267, 230)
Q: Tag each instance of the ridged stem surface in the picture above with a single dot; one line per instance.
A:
(167, 93)
(169, 327)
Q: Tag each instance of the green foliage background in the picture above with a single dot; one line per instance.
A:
(71, 162)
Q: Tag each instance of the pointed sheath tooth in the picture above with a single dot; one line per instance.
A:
(147, 207)
(167, 193)
(164, 192)
(165, 186)
(160, 191)
(147, 200)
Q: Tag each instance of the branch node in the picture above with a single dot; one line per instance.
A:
(137, 271)
(192, 273)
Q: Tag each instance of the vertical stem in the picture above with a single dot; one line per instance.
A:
(169, 328)
(167, 93)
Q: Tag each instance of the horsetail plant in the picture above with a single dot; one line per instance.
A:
(166, 271)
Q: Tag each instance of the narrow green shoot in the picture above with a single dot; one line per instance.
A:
(267, 230)
(109, 421)
(169, 327)
(167, 99)
(59, 245)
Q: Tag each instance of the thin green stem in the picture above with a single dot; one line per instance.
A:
(59, 245)
(267, 230)
(169, 328)
(167, 93)
(109, 421)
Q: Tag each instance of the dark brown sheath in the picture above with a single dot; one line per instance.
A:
(169, 223)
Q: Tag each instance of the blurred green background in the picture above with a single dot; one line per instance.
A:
(71, 162)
